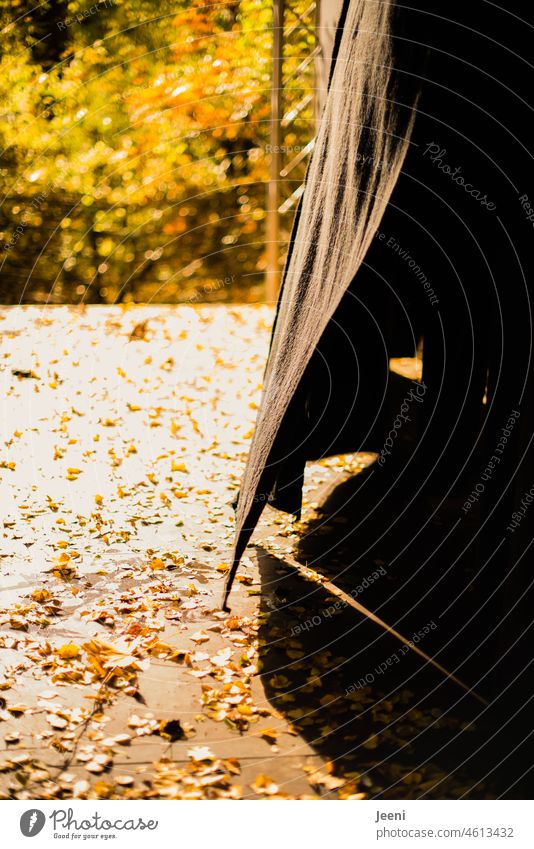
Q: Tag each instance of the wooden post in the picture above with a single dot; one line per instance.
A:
(272, 282)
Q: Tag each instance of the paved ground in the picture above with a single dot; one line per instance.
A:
(124, 434)
(123, 438)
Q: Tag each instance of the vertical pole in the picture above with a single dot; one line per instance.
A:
(272, 282)
(318, 70)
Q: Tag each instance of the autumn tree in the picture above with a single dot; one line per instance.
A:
(134, 158)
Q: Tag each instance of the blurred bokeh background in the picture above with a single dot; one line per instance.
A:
(135, 147)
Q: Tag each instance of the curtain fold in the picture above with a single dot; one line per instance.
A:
(361, 144)
(421, 145)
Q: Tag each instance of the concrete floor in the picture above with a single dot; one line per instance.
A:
(124, 434)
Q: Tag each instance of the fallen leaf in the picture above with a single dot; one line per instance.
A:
(200, 753)
(264, 785)
(68, 651)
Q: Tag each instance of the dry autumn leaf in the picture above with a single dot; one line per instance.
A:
(264, 785)
(68, 651)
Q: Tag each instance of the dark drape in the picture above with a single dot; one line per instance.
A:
(414, 223)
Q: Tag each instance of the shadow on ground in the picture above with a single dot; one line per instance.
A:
(390, 724)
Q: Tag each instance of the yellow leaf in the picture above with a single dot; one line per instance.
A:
(264, 785)
(233, 623)
(200, 753)
(269, 734)
(350, 791)
(68, 651)
(58, 722)
(103, 789)
(41, 596)
(199, 637)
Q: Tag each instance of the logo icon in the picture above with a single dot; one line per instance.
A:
(32, 822)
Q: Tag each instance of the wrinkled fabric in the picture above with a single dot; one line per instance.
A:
(404, 79)
(369, 112)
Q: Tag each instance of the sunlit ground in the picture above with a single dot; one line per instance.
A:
(124, 434)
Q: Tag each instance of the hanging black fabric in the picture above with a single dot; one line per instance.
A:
(418, 164)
